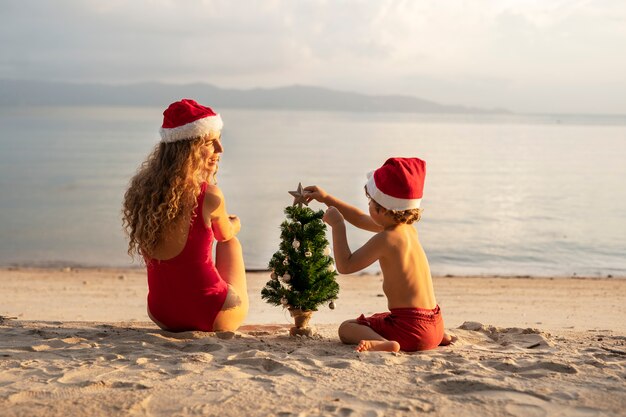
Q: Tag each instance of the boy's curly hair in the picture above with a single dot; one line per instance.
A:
(166, 185)
(406, 216)
(409, 216)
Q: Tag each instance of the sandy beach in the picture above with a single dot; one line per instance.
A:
(78, 342)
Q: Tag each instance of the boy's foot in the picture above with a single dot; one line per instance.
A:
(447, 339)
(378, 345)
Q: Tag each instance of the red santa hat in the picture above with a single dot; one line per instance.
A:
(186, 119)
(398, 184)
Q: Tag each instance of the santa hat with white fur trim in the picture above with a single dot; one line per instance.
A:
(398, 184)
(186, 119)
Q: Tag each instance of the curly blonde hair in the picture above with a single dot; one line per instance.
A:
(406, 216)
(409, 216)
(166, 185)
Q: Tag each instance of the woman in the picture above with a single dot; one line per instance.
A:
(173, 209)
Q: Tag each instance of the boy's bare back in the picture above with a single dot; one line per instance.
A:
(406, 274)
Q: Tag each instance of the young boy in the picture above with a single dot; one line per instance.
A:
(414, 321)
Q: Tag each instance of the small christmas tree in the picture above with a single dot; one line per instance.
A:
(302, 270)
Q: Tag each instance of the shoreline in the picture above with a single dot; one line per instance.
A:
(69, 267)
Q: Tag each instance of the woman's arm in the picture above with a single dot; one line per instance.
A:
(224, 226)
(352, 214)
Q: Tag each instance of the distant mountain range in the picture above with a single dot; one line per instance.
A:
(297, 97)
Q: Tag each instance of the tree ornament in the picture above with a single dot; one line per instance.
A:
(296, 244)
(331, 305)
(308, 254)
(327, 251)
(285, 262)
(332, 268)
(274, 276)
(299, 197)
(286, 278)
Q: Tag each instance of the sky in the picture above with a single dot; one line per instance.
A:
(533, 56)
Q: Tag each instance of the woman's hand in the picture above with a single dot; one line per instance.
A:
(313, 192)
(333, 216)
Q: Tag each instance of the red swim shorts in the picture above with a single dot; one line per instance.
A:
(413, 328)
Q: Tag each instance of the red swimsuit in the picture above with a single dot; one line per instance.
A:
(186, 292)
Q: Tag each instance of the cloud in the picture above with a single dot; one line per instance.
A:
(468, 52)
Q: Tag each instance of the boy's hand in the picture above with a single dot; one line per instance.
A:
(332, 216)
(313, 192)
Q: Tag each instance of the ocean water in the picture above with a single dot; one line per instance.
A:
(504, 194)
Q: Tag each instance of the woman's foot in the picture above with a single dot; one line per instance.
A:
(378, 345)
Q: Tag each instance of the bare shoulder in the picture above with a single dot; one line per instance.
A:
(396, 237)
(384, 239)
(212, 189)
(213, 198)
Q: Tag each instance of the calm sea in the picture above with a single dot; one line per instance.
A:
(504, 194)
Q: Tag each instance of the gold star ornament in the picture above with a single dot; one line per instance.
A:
(298, 196)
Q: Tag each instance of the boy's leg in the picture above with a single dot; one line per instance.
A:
(351, 332)
(229, 263)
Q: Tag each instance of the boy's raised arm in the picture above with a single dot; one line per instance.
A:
(352, 214)
(348, 262)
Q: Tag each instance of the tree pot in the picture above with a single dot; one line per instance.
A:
(301, 319)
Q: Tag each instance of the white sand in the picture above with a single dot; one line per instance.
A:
(82, 345)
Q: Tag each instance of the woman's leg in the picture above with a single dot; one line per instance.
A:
(229, 263)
